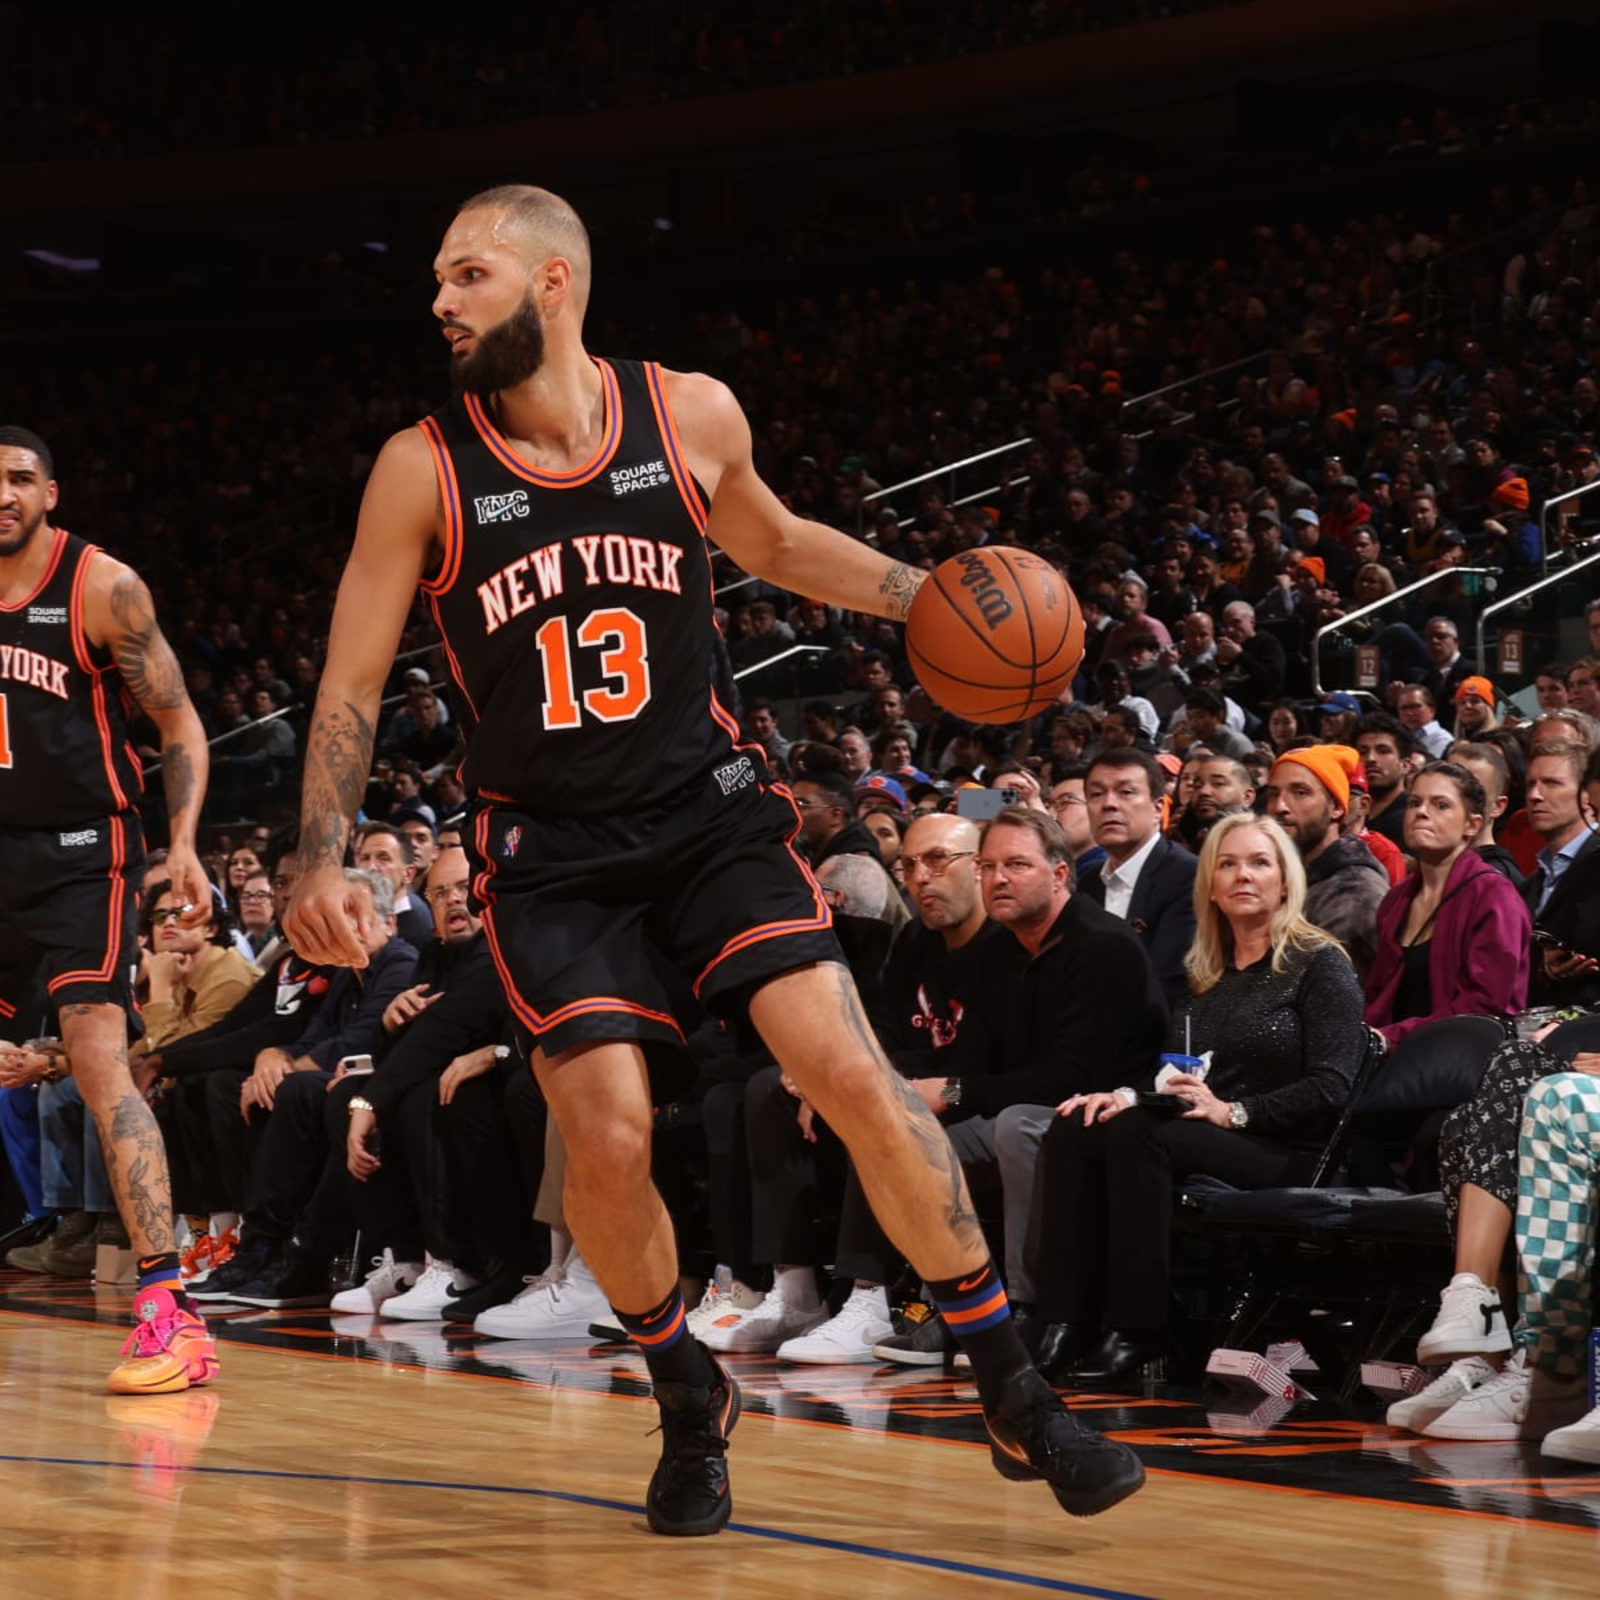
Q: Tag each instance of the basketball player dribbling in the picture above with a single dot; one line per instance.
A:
(557, 515)
(79, 650)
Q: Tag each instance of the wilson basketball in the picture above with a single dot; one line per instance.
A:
(995, 635)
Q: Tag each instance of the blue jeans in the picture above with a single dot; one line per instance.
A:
(72, 1168)
(19, 1131)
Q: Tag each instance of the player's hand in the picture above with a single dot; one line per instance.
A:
(361, 1161)
(407, 1004)
(327, 921)
(474, 1064)
(1093, 1107)
(191, 889)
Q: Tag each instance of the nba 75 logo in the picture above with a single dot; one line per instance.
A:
(512, 842)
(501, 507)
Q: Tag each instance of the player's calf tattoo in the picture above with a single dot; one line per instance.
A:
(136, 1163)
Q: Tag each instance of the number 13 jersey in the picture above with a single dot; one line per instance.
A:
(576, 608)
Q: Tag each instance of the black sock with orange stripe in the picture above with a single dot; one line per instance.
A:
(975, 1308)
(670, 1352)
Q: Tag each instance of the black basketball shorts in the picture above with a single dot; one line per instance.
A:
(600, 925)
(69, 915)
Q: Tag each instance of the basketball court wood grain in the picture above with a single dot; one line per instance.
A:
(304, 1473)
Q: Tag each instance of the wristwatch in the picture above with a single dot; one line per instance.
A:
(1238, 1117)
(502, 1054)
(359, 1102)
(951, 1093)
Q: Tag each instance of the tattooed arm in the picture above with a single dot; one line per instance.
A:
(759, 531)
(119, 616)
(395, 543)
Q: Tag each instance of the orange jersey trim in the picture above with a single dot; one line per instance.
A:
(119, 891)
(7, 1010)
(49, 573)
(97, 678)
(776, 930)
(456, 674)
(444, 469)
(611, 433)
(676, 460)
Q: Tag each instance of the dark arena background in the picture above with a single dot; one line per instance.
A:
(1089, 279)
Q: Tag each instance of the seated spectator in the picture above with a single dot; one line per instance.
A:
(1454, 938)
(1385, 852)
(1337, 717)
(1253, 663)
(1385, 747)
(1531, 1159)
(1206, 717)
(257, 921)
(1146, 880)
(1415, 707)
(1475, 708)
(1564, 892)
(1275, 1004)
(1308, 795)
(1488, 766)
(1285, 725)
(1069, 806)
(1220, 786)
(383, 847)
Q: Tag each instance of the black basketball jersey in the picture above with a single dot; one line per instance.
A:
(576, 609)
(65, 755)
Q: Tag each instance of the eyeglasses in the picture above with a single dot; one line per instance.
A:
(1015, 867)
(1060, 802)
(935, 862)
(443, 893)
(255, 897)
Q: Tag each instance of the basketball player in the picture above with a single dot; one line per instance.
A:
(79, 650)
(556, 514)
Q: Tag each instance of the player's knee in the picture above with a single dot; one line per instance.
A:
(607, 1155)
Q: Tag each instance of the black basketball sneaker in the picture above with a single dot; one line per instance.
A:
(1032, 1436)
(689, 1493)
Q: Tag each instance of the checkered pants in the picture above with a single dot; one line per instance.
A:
(1558, 1206)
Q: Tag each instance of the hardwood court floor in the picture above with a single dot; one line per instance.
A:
(342, 1457)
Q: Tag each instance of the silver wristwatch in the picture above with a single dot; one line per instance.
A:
(502, 1054)
(1238, 1117)
(951, 1093)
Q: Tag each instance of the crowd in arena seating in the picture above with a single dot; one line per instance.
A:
(1430, 845)
(349, 82)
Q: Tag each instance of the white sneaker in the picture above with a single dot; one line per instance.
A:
(1520, 1402)
(1470, 1323)
(428, 1297)
(723, 1298)
(1578, 1441)
(848, 1338)
(762, 1328)
(387, 1279)
(1457, 1381)
(559, 1304)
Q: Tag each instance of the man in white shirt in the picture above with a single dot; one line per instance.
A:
(1146, 880)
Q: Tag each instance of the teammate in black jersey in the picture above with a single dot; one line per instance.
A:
(79, 649)
(557, 527)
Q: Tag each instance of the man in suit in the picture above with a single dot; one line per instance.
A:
(1146, 879)
(1447, 667)
(1564, 894)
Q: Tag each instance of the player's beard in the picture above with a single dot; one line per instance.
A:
(14, 544)
(508, 354)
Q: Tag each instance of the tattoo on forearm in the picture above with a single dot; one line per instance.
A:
(177, 778)
(899, 588)
(136, 1163)
(925, 1130)
(338, 759)
(143, 656)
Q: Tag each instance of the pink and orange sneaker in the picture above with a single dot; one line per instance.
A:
(168, 1350)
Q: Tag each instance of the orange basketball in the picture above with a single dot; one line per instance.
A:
(995, 634)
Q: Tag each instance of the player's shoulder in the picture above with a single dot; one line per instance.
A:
(697, 396)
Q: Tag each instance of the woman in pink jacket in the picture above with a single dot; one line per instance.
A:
(1454, 938)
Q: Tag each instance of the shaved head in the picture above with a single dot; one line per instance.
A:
(541, 225)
